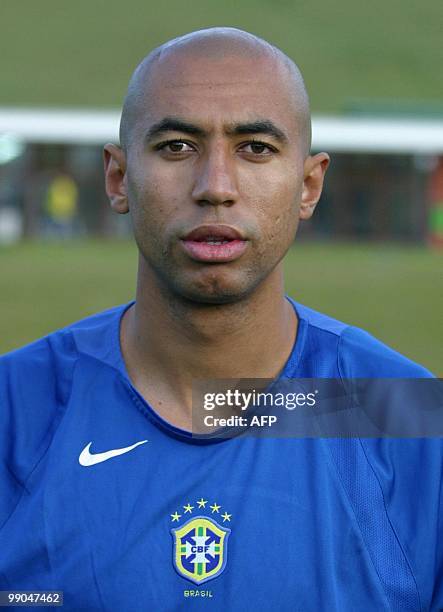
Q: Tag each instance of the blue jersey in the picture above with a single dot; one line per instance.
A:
(104, 500)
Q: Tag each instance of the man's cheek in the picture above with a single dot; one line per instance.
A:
(278, 216)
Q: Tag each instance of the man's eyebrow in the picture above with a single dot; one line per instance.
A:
(172, 124)
(259, 127)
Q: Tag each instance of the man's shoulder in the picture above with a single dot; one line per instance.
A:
(358, 353)
(85, 335)
(363, 355)
(36, 384)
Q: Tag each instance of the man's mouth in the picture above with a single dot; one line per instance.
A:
(214, 243)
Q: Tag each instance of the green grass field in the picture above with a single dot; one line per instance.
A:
(82, 53)
(393, 292)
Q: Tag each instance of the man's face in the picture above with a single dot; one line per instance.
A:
(216, 157)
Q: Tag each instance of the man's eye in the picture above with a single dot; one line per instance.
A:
(258, 148)
(175, 146)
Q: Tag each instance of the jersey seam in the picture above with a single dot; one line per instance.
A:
(39, 460)
(390, 522)
(328, 331)
(344, 489)
(383, 497)
(357, 522)
(102, 363)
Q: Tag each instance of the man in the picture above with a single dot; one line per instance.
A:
(107, 495)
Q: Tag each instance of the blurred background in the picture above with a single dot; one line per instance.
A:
(373, 253)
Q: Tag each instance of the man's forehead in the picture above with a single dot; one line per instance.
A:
(233, 88)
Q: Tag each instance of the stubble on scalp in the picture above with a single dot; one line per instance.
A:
(214, 43)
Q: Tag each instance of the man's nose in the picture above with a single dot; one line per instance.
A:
(215, 181)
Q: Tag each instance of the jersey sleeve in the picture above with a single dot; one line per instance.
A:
(409, 472)
(34, 389)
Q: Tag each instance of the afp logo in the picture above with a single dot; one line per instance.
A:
(200, 546)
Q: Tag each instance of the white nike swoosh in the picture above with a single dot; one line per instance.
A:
(86, 458)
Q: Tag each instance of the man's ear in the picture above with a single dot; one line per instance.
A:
(315, 167)
(115, 183)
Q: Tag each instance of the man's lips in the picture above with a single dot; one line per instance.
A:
(214, 243)
(223, 232)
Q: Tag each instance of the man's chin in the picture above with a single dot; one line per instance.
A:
(215, 293)
(211, 287)
(213, 298)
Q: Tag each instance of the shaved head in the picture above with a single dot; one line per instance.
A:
(214, 45)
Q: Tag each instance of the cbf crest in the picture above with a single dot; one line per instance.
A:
(200, 545)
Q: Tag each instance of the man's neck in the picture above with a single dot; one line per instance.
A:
(168, 342)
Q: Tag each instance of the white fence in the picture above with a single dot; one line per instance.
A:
(340, 134)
